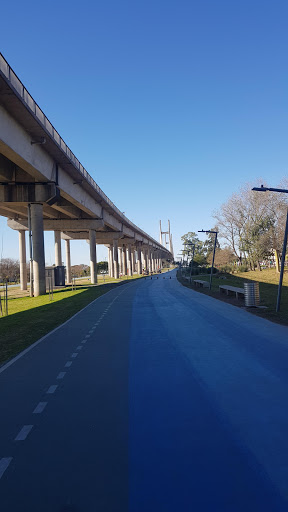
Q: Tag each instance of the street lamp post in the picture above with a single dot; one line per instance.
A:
(192, 259)
(214, 249)
(282, 191)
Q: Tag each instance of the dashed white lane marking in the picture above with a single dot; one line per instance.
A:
(4, 463)
(52, 389)
(74, 354)
(61, 375)
(87, 336)
(79, 347)
(68, 364)
(40, 407)
(84, 341)
(23, 433)
(92, 330)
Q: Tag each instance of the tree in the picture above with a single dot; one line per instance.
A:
(102, 266)
(252, 224)
(9, 270)
(223, 256)
(81, 270)
(199, 253)
(208, 245)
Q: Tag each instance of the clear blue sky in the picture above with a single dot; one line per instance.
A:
(170, 106)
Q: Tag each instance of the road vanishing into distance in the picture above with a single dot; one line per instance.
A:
(154, 398)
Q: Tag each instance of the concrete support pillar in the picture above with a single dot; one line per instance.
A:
(135, 259)
(124, 254)
(139, 260)
(149, 260)
(68, 261)
(93, 256)
(22, 258)
(110, 261)
(38, 249)
(120, 260)
(115, 259)
(58, 255)
(146, 259)
(129, 261)
(132, 260)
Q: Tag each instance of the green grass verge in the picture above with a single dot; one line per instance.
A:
(268, 285)
(30, 318)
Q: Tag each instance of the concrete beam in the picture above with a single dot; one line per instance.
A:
(110, 221)
(28, 192)
(68, 209)
(50, 212)
(10, 209)
(104, 238)
(59, 224)
(128, 232)
(7, 169)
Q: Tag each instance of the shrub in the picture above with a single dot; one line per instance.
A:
(227, 268)
(243, 268)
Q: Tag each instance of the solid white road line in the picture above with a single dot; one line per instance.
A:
(23, 433)
(68, 364)
(61, 375)
(40, 407)
(52, 389)
(74, 355)
(4, 463)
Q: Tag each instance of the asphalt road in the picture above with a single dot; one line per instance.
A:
(153, 398)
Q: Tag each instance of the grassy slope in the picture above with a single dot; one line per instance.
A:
(30, 318)
(268, 284)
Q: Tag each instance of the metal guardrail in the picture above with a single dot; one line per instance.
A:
(34, 108)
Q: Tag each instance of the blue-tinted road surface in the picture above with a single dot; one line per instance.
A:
(155, 398)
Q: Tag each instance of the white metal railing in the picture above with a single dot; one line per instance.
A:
(32, 106)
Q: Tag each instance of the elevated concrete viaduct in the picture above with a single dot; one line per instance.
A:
(43, 186)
